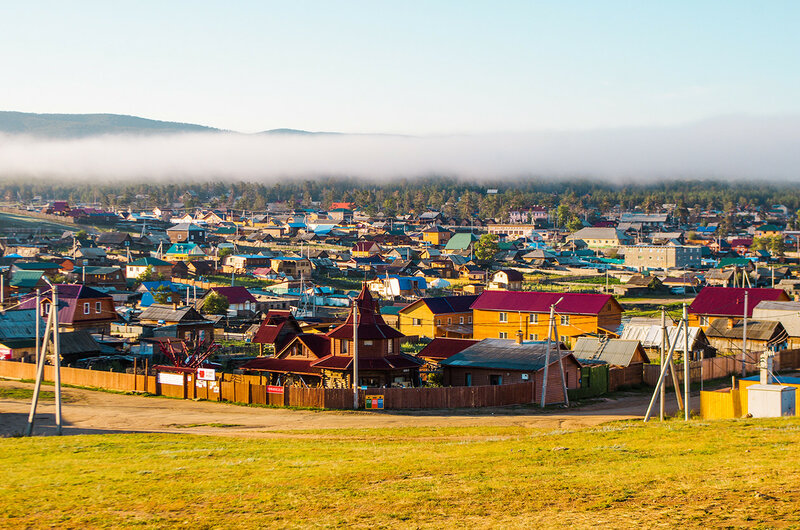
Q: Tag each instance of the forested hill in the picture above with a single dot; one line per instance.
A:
(84, 125)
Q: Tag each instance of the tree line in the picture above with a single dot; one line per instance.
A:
(569, 199)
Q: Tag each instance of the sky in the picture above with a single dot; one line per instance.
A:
(411, 67)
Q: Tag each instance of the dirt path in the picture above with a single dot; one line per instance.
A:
(87, 411)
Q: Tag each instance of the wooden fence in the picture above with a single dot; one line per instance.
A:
(252, 389)
(625, 376)
(723, 366)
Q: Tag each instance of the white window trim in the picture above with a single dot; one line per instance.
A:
(503, 317)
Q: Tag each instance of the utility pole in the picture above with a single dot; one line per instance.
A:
(355, 355)
(661, 359)
(686, 360)
(547, 354)
(550, 328)
(744, 336)
(57, 355)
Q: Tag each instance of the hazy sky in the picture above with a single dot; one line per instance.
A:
(408, 67)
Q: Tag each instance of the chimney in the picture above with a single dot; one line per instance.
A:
(731, 323)
(174, 306)
(519, 336)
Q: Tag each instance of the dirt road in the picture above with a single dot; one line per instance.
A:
(87, 411)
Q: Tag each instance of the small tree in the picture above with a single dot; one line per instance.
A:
(486, 247)
(574, 224)
(215, 304)
(149, 275)
(162, 295)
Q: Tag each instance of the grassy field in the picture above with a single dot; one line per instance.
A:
(11, 222)
(706, 474)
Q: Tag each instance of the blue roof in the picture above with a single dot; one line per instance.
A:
(406, 283)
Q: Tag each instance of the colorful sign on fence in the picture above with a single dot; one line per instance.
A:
(373, 402)
(206, 374)
(274, 389)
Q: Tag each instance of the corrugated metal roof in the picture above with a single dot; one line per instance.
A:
(505, 354)
(19, 324)
(618, 352)
(650, 335)
(770, 331)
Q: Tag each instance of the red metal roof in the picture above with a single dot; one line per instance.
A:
(235, 295)
(334, 362)
(536, 302)
(370, 322)
(729, 301)
(441, 348)
(270, 364)
(391, 362)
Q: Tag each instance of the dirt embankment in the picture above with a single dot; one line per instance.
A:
(87, 411)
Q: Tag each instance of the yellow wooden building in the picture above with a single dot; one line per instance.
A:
(502, 314)
(444, 316)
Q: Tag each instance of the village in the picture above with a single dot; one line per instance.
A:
(520, 309)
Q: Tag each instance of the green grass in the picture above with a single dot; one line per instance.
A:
(242, 281)
(628, 474)
(25, 393)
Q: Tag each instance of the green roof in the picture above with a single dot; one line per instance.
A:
(769, 228)
(37, 266)
(18, 343)
(26, 279)
(730, 262)
(144, 262)
(461, 241)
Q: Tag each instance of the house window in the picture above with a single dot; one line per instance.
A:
(467, 379)
(469, 320)
(449, 321)
(495, 379)
(533, 336)
(416, 322)
(533, 318)
(390, 346)
(98, 307)
(503, 317)
(704, 321)
(367, 343)
(86, 308)
(460, 320)
(438, 321)
(565, 320)
(503, 335)
(344, 346)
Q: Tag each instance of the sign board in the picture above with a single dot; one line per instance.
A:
(206, 374)
(5, 354)
(373, 402)
(166, 378)
(274, 389)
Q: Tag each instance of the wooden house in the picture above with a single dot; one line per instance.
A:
(729, 302)
(501, 314)
(444, 316)
(502, 362)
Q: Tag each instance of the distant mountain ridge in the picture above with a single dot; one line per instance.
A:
(86, 125)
